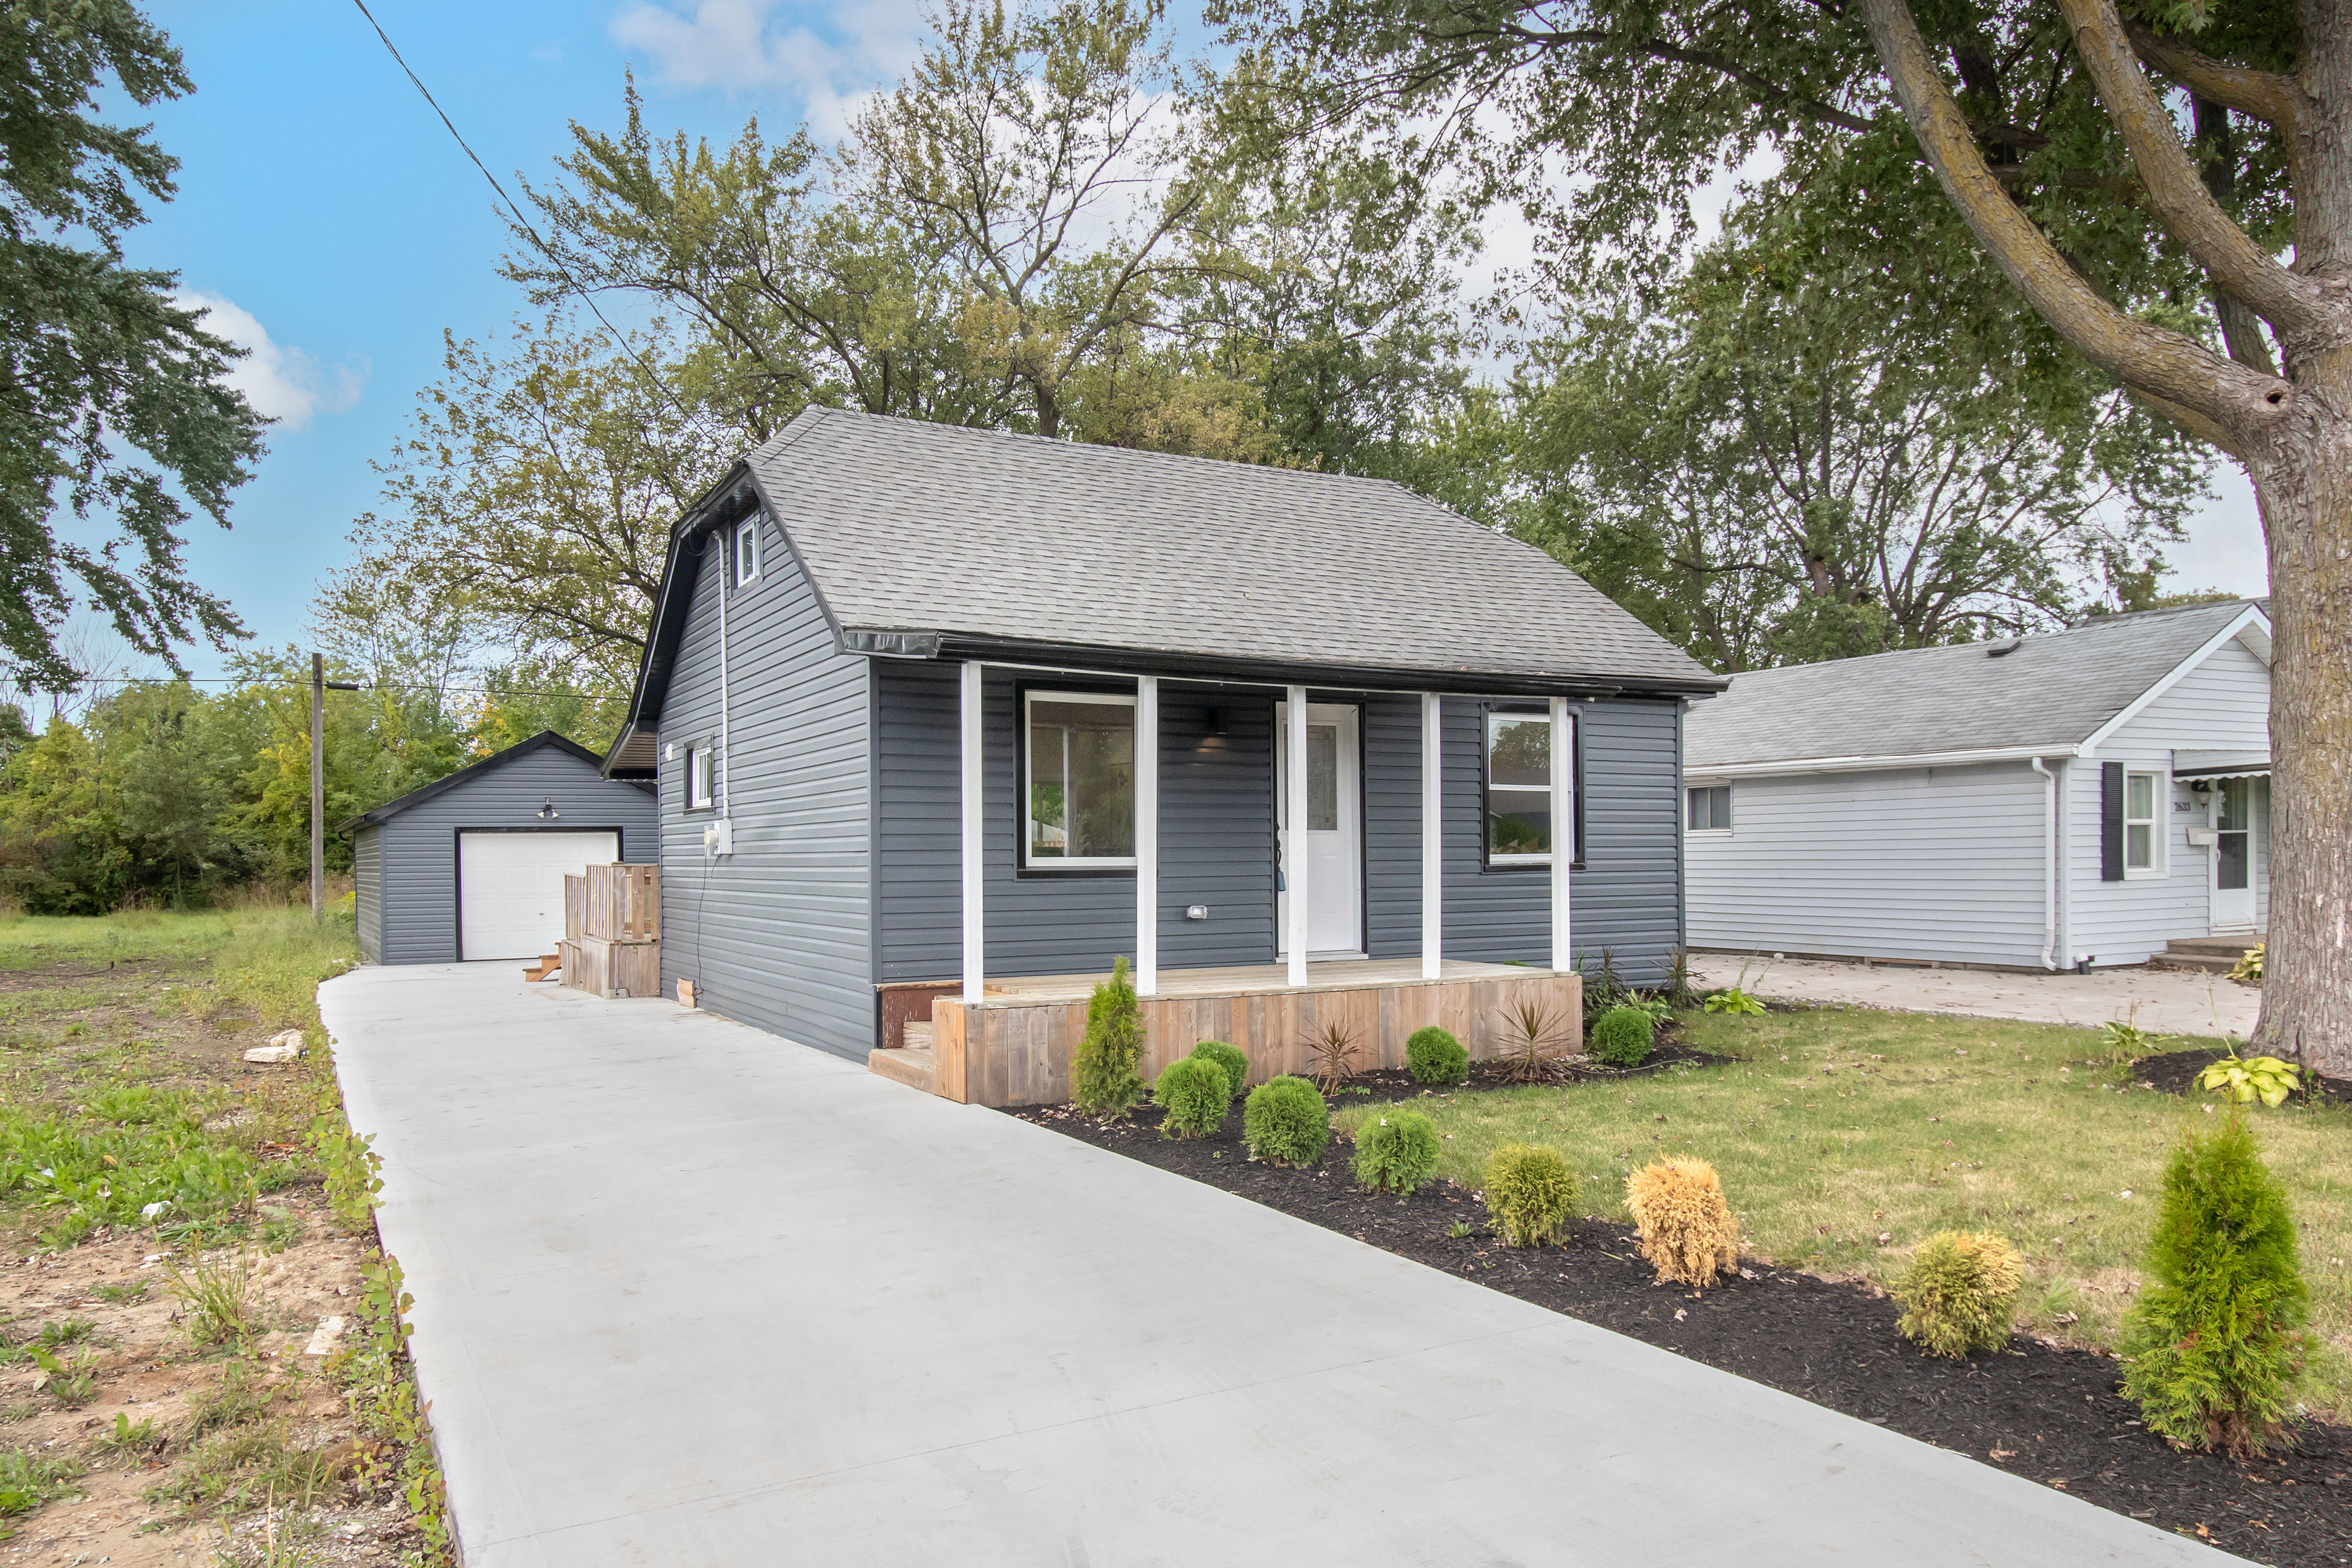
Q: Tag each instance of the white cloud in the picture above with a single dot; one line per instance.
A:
(281, 381)
(734, 45)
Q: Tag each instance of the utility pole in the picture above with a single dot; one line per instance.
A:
(317, 787)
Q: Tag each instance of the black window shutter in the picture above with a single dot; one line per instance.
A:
(2111, 822)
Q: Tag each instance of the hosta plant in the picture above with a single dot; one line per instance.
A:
(2245, 1080)
(2248, 970)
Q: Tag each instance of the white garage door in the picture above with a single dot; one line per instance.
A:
(510, 889)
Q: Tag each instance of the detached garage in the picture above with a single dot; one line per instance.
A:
(472, 866)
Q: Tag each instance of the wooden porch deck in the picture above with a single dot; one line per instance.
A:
(1015, 1046)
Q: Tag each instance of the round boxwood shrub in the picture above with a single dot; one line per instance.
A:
(1433, 1056)
(1395, 1152)
(1623, 1036)
(1286, 1123)
(1960, 1293)
(1530, 1192)
(1229, 1059)
(1192, 1096)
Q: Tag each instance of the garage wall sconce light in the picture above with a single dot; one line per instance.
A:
(547, 812)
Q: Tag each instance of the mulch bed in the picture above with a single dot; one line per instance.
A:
(2051, 1414)
(2175, 1072)
(1388, 1084)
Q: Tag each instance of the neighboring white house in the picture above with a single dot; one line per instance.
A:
(2079, 799)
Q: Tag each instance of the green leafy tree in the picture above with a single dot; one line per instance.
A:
(113, 409)
(1788, 463)
(2138, 182)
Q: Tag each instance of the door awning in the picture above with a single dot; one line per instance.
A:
(2220, 764)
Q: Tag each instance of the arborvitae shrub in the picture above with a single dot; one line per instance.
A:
(1960, 1293)
(1192, 1095)
(1229, 1060)
(1530, 1192)
(1285, 1121)
(2214, 1345)
(1102, 1071)
(1396, 1152)
(1689, 1232)
(1623, 1036)
(1433, 1056)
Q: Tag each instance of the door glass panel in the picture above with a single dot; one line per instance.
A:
(1323, 778)
(2234, 815)
(2230, 867)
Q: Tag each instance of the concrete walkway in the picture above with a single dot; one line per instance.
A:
(2162, 1001)
(689, 1294)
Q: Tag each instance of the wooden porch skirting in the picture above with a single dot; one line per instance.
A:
(1015, 1049)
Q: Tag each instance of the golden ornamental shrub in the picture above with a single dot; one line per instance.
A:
(1689, 1231)
(1960, 1293)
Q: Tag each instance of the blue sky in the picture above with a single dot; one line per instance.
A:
(336, 230)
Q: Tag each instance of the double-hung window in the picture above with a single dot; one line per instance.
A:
(1520, 811)
(1707, 808)
(698, 776)
(2143, 824)
(747, 550)
(1079, 757)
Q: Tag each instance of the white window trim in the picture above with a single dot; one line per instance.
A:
(1691, 832)
(746, 544)
(708, 801)
(1486, 774)
(1029, 698)
(2159, 828)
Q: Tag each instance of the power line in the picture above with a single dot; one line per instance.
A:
(514, 210)
(304, 682)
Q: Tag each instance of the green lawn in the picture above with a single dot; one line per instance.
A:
(1845, 1136)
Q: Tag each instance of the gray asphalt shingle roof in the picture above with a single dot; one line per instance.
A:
(2055, 690)
(906, 525)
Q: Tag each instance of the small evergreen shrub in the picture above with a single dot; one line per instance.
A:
(1530, 1194)
(1395, 1152)
(1621, 1037)
(1433, 1056)
(1689, 1232)
(2214, 1345)
(1229, 1059)
(1192, 1096)
(1102, 1072)
(1286, 1123)
(1960, 1293)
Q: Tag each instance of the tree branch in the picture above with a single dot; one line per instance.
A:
(2174, 188)
(2242, 329)
(2268, 95)
(1768, 92)
(2229, 399)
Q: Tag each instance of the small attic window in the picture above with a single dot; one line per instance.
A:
(2003, 648)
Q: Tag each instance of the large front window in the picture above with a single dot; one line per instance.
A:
(1520, 807)
(1081, 773)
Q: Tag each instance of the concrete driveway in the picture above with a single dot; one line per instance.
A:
(689, 1294)
(2162, 1001)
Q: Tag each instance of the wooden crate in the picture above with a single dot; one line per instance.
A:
(607, 968)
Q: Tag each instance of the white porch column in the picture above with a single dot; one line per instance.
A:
(1433, 838)
(1294, 835)
(1147, 835)
(1563, 831)
(971, 775)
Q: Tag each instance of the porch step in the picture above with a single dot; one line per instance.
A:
(914, 1035)
(909, 1065)
(2204, 954)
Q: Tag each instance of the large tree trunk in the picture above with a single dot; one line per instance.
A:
(2305, 493)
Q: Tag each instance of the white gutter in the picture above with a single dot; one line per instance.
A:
(2049, 865)
(1697, 772)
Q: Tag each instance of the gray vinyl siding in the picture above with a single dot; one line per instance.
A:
(417, 851)
(1920, 863)
(1216, 838)
(777, 935)
(367, 892)
(2221, 705)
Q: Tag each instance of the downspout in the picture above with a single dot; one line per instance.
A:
(726, 579)
(2049, 865)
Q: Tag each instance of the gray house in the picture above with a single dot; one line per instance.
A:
(472, 866)
(901, 674)
(2094, 797)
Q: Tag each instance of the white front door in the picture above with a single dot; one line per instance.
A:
(2233, 855)
(510, 889)
(1334, 837)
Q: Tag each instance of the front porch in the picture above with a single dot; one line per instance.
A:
(1013, 1047)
